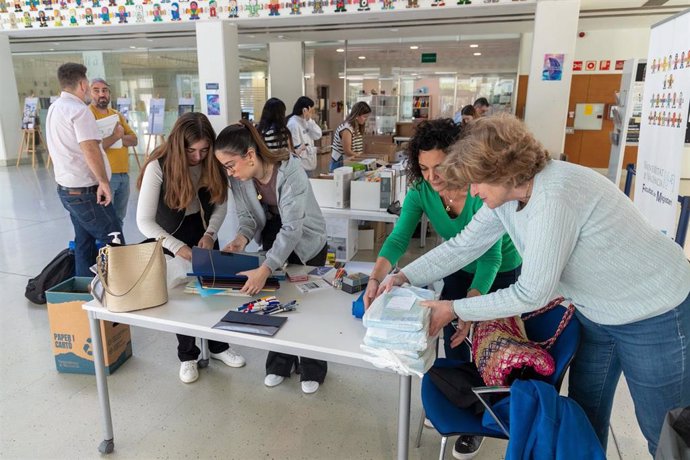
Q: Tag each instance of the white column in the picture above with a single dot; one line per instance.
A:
(546, 109)
(10, 112)
(285, 71)
(219, 71)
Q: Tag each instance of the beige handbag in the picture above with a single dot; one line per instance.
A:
(133, 277)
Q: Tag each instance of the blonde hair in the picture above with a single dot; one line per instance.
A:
(494, 150)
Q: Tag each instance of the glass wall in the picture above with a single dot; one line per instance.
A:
(141, 75)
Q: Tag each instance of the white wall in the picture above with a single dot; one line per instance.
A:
(10, 112)
(285, 71)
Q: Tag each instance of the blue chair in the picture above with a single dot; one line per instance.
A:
(450, 420)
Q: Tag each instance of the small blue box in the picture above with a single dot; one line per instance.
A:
(358, 306)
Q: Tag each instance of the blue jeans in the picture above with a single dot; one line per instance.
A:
(335, 164)
(91, 222)
(654, 356)
(119, 184)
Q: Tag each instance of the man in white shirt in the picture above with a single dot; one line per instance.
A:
(81, 169)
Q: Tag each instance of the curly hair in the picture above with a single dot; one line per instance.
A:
(429, 135)
(494, 150)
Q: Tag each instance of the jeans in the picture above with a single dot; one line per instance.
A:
(654, 356)
(119, 184)
(91, 222)
(455, 286)
(335, 164)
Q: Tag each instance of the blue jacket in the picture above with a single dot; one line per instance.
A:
(551, 427)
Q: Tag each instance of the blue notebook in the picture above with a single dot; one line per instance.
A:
(219, 269)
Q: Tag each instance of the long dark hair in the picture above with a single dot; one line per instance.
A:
(189, 129)
(302, 102)
(237, 139)
(430, 135)
(360, 108)
(273, 119)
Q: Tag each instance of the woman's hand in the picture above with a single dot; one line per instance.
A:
(256, 279)
(390, 281)
(185, 252)
(442, 313)
(371, 293)
(206, 242)
(460, 334)
(237, 245)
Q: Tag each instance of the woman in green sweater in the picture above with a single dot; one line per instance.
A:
(449, 211)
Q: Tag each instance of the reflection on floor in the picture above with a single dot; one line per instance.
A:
(227, 414)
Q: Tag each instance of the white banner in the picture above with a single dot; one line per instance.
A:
(156, 116)
(664, 112)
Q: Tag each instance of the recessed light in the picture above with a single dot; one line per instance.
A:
(414, 74)
(251, 36)
(477, 54)
(340, 50)
(361, 57)
(414, 47)
(132, 47)
(282, 37)
(51, 49)
(394, 30)
(474, 45)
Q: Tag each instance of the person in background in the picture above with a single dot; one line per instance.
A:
(304, 131)
(183, 198)
(481, 106)
(348, 138)
(117, 156)
(449, 210)
(81, 168)
(276, 206)
(465, 115)
(582, 238)
(273, 126)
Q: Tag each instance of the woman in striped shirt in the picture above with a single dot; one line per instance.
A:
(273, 125)
(348, 139)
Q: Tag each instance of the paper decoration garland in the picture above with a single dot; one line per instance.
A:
(28, 14)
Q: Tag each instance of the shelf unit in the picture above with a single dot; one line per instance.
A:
(384, 114)
(421, 106)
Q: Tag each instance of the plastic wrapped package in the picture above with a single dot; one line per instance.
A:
(398, 340)
(401, 361)
(381, 315)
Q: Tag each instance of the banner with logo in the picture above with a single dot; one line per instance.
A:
(662, 131)
(156, 116)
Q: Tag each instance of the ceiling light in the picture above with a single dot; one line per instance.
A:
(251, 36)
(474, 45)
(477, 54)
(282, 37)
(362, 57)
(414, 47)
(132, 47)
(340, 50)
(393, 30)
(51, 49)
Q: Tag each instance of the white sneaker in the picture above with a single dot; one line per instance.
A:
(188, 371)
(230, 357)
(273, 380)
(427, 423)
(310, 386)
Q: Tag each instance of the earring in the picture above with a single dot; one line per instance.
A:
(251, 163)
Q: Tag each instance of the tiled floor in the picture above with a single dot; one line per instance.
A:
(227, 414)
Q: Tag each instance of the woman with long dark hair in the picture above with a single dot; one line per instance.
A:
(183, 198)
(275, 206)
(273, 126)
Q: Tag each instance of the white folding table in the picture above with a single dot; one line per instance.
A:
(322, 328)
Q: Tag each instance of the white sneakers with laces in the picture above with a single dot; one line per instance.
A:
(230, 357)
(189, 371)
(273, 380)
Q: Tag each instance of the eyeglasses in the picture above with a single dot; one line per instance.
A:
(230, 167)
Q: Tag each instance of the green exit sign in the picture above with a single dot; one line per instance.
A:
(428, 58)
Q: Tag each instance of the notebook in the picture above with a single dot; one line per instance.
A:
(251, 323)
(216, 269)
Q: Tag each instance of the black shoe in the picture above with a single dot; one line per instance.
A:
(466, 447)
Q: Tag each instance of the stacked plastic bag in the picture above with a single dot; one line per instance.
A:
(397, 332)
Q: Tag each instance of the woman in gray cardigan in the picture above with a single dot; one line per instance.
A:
(277, 208)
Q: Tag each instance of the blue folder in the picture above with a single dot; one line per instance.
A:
(211, 264)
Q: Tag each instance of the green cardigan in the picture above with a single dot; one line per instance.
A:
(422, 198)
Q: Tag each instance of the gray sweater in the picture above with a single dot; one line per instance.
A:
(579, 237)
(303, 227)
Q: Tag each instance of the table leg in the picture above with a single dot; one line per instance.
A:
(404, 416)
(205, 354)
(107, 445)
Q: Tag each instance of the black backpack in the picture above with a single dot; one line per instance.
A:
(58, 270)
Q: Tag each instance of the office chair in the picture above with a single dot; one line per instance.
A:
(450, 420)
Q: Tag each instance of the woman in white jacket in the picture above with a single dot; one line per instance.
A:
(304, 131)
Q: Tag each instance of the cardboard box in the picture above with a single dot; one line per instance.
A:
(405, 129)
(374, 195)
(333, 191)
(382, 152)
(341, 236)
(381, 231)
(70, 333)
(355, 282)
(365, 239)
